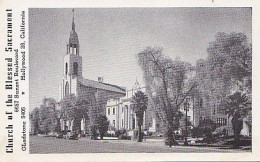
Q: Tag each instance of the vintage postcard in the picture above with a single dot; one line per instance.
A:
(124, 81)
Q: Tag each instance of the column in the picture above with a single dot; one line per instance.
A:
(67, 125)
(130, 119)
(71, 125)
(82, 125)
(61, 124)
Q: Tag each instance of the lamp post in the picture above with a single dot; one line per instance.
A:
(186, 108)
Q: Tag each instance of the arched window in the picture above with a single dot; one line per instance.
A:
(75, 68)
(114, 111)
(66, 68)
(66, 88)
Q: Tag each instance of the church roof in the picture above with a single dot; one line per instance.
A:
(103, 86)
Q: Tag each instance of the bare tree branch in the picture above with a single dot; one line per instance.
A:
(186, 94)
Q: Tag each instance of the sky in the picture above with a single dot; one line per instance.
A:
(111, 38)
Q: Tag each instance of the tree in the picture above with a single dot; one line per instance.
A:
(54, 113)
(35, 119)
(98, 108)
(139, 102)
(164, 79)
(233, 53)
(44, 116)
(102, 125)
(248, 121)
(230, 60)
(207, 127)
(230, 57)
(238, 107)
(93, 131)
(75, 109)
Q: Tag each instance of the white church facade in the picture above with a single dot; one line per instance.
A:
(121, 116)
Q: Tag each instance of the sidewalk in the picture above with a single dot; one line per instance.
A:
(160, 143)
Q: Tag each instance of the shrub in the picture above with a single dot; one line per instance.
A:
(125, 137)
(205, 129)
(94, 133)
(120, 133)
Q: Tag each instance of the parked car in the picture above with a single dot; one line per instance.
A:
(52, 134)
(190, 140)
(147, 133)
(70, 135)
(159, 134)
(59, 135)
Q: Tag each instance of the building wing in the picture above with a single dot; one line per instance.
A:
(102, 86)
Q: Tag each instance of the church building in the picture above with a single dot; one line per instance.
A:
(74, 83)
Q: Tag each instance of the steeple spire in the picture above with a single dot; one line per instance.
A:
(73, 24)
(73, 40)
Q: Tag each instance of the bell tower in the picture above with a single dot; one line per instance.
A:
(72, 63)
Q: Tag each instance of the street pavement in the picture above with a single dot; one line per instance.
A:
(45, 145)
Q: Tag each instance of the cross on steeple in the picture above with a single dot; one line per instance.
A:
(73, 24)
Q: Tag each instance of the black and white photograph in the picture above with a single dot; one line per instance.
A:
(140, 80)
